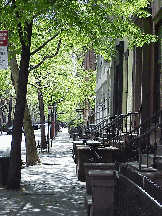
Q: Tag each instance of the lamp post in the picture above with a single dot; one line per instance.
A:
(53, 122)
(49, 114)
(51, 134)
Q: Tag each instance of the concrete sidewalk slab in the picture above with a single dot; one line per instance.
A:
(50, 188)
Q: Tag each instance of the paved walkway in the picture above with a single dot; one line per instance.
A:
(48, 189)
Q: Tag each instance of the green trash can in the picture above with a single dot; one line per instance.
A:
(4, 168)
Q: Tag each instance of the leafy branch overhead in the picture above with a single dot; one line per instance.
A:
(81, 25)
(88, 23)
(46, 57)
(43, 45)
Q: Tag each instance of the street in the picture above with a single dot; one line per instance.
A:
(5, 142)
(50, 188)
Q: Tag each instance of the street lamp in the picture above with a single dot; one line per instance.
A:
(53, 121)
(49, 114)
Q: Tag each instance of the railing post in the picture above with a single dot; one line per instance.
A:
(130, 122)
(155, 149)
(126, 124)
(124, 151)
(140, 155)
(139, 111)
(147, 150)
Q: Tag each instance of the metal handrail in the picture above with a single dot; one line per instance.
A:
(125, 125)
(120, 126)
(143, 132)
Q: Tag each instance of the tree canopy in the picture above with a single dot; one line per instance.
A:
(88, 23)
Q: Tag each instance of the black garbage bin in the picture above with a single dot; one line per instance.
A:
(4, 167)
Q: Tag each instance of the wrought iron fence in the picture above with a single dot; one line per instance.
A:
(135, 197)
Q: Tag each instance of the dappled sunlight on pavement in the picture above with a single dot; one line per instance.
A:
(50, 188)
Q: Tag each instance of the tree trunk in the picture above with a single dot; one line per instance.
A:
(9, 123)
(42, 117)
(31, 151)
(14, 175)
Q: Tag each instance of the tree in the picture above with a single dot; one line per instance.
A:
(94, 23)
(31, 150)
(53, 78)
(24, 30)
(80, 92)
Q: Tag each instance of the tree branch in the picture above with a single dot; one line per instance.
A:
(34, 85)
(20, 31)
(46, 57)
(43, 45)
(28, 28)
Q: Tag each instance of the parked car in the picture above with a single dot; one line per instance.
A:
(10, 129)
(35, 126)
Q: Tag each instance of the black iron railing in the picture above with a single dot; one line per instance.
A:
(135, 194)
(134, 138)
(131, 199)
(116, 129)
(148, 136)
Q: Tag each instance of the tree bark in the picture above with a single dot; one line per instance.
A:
(31, 151)
(42, 117)
(9, 123)
(14, 174)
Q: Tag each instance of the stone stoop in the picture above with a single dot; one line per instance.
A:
(103, 141)
(102, 192)
(151, 157)
(95, 166)
(84, 154)
(88, 168)
(153, 174)
(75, 145)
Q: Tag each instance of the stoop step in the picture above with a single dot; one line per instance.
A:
(150, 159)
(153, 174)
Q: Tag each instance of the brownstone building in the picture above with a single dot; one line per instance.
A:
(136, 75)
(89, 64)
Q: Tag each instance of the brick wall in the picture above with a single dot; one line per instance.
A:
(90, 60)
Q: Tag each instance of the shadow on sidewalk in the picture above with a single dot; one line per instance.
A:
(50, 188)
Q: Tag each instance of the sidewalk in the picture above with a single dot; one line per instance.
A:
(48, 189)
